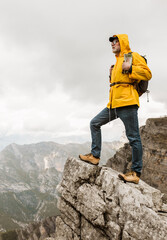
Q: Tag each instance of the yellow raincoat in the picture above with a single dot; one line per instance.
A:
(122, 94)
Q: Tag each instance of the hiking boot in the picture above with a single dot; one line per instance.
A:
(122, 175)
(128, 173)
(89, 158)
(132, 177)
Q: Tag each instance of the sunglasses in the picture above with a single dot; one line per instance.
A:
(115, 41)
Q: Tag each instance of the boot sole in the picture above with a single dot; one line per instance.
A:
(122, 178)
(88, 162)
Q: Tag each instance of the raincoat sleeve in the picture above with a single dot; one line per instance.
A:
(140, 70)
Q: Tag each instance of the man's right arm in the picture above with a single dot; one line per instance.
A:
(140, 70)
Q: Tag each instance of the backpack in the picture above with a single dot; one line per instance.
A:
(142, 86)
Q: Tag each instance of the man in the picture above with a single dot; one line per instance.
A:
(123, 104)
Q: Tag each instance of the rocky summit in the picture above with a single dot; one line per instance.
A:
(96, 204)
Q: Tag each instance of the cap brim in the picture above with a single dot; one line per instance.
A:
(111, 39)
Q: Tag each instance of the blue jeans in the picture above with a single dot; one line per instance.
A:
(129, 117)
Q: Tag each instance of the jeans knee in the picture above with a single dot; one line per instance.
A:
(135, 140)
(93, 123)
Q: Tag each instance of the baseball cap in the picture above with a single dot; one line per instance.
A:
(112, 38)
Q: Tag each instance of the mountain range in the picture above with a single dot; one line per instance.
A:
(29, 175)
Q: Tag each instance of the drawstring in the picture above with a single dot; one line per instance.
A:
(110, 114)
(115, 112)
(147, 95)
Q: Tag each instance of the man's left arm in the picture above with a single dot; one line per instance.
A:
(139, 69)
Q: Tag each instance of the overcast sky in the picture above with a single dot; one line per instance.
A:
(54, 64)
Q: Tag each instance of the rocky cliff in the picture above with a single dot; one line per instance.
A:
(96, 204)
(154, 140)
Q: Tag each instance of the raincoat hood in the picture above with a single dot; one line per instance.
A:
(124, 43)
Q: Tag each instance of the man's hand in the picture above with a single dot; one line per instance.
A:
(125, 66)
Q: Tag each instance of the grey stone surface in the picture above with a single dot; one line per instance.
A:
(75, 175)
(88, 231)
(91, 204)
(64, 232)
(69, 212)
(96, 204)
(49, 238)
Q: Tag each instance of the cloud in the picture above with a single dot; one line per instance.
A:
(55, 59)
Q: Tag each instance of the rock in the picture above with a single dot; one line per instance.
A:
(73, 177)
(96, 204)
(49, 238)
(68, 211)
(90, 204)
(88, 231)
(64, 232)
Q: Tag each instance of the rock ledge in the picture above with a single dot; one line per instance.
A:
(95, 204)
